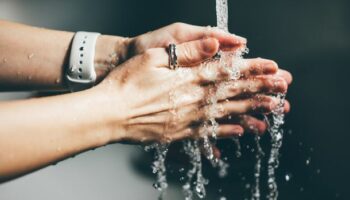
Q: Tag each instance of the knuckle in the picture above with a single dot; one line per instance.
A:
(267, 84)
(274, 64)
(149, 55)
(178, 25)
(187, 54)
(282, 86)
(271, 65)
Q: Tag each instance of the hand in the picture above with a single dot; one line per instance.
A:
(111, 51)
(178, 33)
(148, 102)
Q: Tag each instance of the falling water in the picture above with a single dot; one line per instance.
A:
(222, 15)
(195, 182)
(230, 61)
(274, 124)
(257, 169)
(277, 119)
(158, 166)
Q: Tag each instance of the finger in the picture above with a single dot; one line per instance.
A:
(286, 75)
(286, 106)
(216, 152)
(185, 32)
(259, 104)
(252, 124)
(229, 130)
(213, 70)
(267, 84)
(258, 66)
(189, 53)
(223, 131)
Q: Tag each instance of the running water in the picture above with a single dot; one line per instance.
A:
(230, 61)
(257, 169)
(158, 167)
(277, 118)
(222, 15)
(195, 180)
(274, 124)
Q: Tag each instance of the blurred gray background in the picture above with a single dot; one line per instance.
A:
(309, 38)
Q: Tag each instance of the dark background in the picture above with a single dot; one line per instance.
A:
(308, 38)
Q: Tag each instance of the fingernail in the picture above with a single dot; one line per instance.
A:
(280, 85)
(210, 45)
(262, 128)
(239, 39)
(238, 131)
(264, 105)
(270, 67)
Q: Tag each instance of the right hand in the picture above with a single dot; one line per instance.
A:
(148, 102)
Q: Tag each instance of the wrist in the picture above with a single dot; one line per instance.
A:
(110, 51)
(108, 111)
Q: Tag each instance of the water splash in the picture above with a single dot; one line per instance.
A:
(195, 180)
(274, 124)
(238, 152)
(228, 61)
(257, 169)
(158, 167)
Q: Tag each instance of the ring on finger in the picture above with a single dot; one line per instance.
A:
(172, 57)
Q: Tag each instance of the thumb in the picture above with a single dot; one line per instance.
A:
(195, 52)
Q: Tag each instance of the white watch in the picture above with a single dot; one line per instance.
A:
(81, 72)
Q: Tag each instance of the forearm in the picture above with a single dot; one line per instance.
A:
(37, 132)
(35, 58)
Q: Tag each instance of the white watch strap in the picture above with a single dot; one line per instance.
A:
(81, 72)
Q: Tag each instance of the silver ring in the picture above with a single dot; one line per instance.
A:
(172, 56)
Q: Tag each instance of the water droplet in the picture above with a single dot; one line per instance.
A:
(318, 171)
(307, 162)
(30, 56)
(4, 60)
(222, 198)
(288, 177)
(57, 81)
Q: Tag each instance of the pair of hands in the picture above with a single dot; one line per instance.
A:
(143, 92)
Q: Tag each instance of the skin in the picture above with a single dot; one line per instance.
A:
(131, 104)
